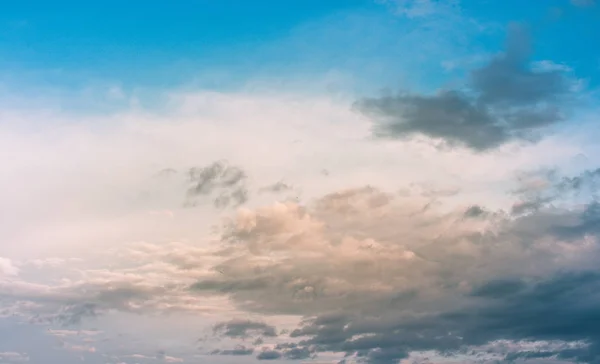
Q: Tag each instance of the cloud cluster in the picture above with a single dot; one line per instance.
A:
(505, 100)
(376, 275)
(384, 276)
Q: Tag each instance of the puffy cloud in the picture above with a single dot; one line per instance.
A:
(383, 278)
(506, 100)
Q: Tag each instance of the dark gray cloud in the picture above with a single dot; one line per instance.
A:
(475, 211)
(297, 353)
(564, 307)
(245, 328)
(239, 350)
(226, 183)
(269, 355)
(505, 100)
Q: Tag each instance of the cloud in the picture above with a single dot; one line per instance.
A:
(277, 187)
(219, 176)
(245, 328)
(269, 355)
(297, 353)
(239, 350)
(505, 101)
(162, 356)
(341, 253)
(7, 268)
(367, 269)
(383, 278)
(158, 282)
(14, 357)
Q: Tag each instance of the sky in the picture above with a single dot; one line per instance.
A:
(356, 181)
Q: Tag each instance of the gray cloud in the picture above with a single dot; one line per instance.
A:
(227, 182)
(541, 189)
(239, 350)
(475, 211)
(297, 353)
(562, 308)
(505, 100)
(245, 328)
(277, 187)
(269, 355)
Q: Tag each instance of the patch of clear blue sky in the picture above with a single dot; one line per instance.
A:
(70, 44)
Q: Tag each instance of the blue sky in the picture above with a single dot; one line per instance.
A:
(67, 43)
(352, 181)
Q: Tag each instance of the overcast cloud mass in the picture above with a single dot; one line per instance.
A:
(385, 182)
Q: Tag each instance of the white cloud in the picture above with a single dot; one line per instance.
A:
(14, 357)
(7, 268)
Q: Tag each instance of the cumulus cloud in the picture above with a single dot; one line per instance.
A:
(382, 278)
(505, 100)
